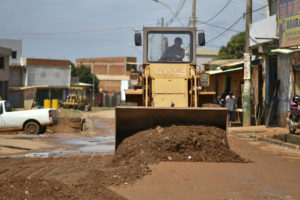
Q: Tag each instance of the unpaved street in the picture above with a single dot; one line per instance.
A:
(97, 138)
(272, 173)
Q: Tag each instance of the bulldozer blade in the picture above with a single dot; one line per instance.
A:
(130, 120)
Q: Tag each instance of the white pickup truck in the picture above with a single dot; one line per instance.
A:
(31, 121)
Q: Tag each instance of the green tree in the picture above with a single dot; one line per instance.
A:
(235, 48)
(85, 75)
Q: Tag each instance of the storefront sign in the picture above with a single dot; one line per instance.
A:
(289, 23)
(247, 66)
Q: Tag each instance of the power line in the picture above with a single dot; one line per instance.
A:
(71, 32)
(221, 27)
(180, 6)
(220, 11)
(227, 29)
(259, 9)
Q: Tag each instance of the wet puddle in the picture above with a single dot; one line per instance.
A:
(103, 125)
(70, 145)
(65, 145)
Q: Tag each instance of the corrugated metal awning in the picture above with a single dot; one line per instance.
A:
(286, 50)
(219, 71)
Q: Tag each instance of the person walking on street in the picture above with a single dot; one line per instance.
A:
(231, 105)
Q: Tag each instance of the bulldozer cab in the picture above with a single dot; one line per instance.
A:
(169, 45)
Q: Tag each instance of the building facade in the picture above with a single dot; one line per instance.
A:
(5, 53)
(38, 79)
(113, 74)
(16, 48)
(48, 72)
(204, 56)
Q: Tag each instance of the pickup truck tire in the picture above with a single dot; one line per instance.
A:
(32, 128)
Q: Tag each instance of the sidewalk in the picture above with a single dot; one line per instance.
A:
(262, 133)
(259, 131)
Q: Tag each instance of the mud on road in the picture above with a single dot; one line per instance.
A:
(197, 162)
(88, 177)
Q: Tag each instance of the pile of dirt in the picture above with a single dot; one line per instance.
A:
(67, 125)
(175, 143)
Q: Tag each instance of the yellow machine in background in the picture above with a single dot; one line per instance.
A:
(77, 100)
(168, 89)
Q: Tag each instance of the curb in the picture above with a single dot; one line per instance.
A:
(275, 142)
(248, 131)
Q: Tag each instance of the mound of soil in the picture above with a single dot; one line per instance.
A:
(67, 125)
(176, 143)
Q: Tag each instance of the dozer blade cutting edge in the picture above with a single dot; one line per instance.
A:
(130, 120)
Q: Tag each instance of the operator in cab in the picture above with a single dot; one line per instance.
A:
(174, 53)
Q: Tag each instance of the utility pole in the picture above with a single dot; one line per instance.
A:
(248, 22)
(194, 14)
(162, 37)
(267, 8)
(247, 69)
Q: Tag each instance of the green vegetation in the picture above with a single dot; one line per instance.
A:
(235, 48)
(85, 75)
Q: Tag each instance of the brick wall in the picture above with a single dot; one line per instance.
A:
(110, 86)
(101, 69)
(47, 62)
(110, 66)
(106, 66)
(117, 70)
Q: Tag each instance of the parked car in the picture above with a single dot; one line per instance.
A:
(31, 121)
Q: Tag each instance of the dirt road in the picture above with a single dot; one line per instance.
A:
(273, 173)
(66, 140)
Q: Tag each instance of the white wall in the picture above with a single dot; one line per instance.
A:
(203, 59)
(124, 86)
(263, 28)
(14, 45)
(50, 76)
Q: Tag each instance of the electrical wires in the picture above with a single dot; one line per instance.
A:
(227, 29)
(220, 11)
(232, 25)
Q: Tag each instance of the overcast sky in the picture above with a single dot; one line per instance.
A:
(70, 29)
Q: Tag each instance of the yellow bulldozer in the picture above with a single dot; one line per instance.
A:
(167, 89)
(77, 100)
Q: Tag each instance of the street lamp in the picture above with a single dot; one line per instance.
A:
(157, 1)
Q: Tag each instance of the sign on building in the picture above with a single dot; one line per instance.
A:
(247, 66)
(289, 23)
